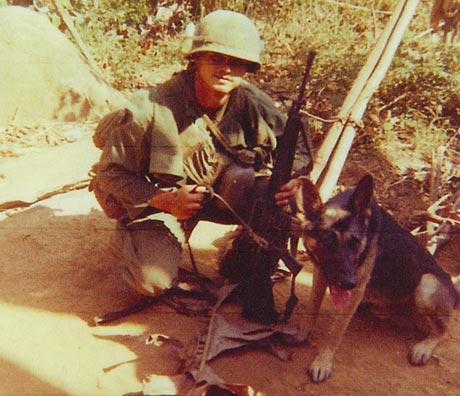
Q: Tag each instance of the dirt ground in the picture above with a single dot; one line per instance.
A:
(57, 273)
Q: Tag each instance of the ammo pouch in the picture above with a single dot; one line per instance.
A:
(109, 204)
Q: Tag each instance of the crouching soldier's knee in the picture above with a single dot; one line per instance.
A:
(150, 254)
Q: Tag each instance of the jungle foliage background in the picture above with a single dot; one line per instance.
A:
(416, 108)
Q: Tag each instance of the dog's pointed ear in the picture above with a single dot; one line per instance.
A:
(361, 199)
(309, 201)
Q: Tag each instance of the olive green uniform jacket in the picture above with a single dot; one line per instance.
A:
(161, 139)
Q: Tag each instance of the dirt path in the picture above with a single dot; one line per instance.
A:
(57, 273)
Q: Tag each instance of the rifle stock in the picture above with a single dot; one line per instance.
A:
(273, 224)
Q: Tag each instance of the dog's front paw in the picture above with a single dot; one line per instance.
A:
(321, 369)
(421, 352)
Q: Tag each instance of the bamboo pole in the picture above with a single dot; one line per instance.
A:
(334, 150)
(334, 133)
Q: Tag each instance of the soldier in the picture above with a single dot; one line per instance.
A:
(204, 126)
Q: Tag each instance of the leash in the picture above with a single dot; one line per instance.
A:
(260, 241)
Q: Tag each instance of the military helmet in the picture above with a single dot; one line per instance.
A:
(228, 33)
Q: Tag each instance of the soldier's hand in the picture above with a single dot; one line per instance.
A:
(287, 192)
(182, 203)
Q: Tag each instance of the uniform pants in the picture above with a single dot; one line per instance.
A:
(150, 249)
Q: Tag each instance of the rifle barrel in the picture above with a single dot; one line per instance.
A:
(285, 151)
(303, 85)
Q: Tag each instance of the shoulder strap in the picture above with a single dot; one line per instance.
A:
(218, 135)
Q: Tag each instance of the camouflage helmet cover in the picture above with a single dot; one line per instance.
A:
(228, 33)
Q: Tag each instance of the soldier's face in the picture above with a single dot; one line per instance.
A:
(219, 72)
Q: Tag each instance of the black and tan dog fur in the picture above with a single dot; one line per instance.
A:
(362, 254)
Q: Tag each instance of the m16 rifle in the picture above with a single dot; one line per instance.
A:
(271, 225)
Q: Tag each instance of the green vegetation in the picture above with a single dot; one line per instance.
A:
(416, 107)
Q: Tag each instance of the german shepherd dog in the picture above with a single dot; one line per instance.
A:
(362, 254)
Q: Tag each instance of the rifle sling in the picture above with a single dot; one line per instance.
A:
(218, 135)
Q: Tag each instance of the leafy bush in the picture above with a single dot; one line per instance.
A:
(417, 102)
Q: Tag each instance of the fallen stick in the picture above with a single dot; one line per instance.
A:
(434, 218)
(9, 205)
(439, 238)
(440, 234)
(110, 317)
